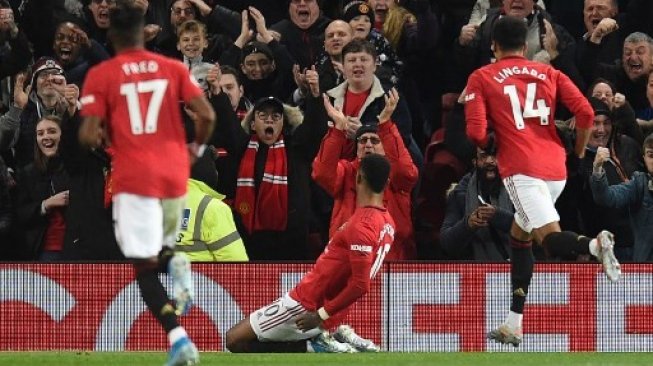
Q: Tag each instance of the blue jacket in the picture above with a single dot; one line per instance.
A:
(636, 196)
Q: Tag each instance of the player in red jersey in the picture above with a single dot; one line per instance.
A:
(341, 276)
(134, 97)
(517, 98)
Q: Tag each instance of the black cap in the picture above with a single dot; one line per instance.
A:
(356, 8)
(256, 47)
(369, 128)
(269, 101)
(600, 107)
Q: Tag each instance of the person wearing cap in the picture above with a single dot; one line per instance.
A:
(265, 64)
(50, 94)
(274, 149)
(626, 159)
(303, 32)
(337, 176)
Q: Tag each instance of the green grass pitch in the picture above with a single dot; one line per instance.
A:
(379, 359)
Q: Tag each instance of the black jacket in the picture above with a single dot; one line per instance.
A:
(304, 45)
(35, 186)
(89, 225)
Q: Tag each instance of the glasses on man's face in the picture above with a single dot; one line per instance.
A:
(109, 2)
(373, 139)
(276, 116)
(187, 11)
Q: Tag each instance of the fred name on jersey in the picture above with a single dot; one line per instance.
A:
(507, 72)
(141, 67)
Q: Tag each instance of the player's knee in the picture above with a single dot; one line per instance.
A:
(233, 343)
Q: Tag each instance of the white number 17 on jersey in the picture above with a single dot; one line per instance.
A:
(131, 91)
(529, 110)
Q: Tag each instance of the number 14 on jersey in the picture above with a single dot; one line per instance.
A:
(529, 110)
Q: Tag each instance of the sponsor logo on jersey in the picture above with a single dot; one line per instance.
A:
(87, 99)
(362, 248)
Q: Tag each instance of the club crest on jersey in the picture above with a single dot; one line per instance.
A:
(244, 208)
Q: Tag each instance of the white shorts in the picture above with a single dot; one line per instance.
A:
(276, 322)
(534, 200)
(143, 225)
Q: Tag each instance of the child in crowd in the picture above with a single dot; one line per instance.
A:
(191, 42)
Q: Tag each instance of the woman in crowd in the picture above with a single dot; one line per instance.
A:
(43, 195)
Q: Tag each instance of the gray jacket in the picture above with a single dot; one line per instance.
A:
(459, 241)
(637, 196)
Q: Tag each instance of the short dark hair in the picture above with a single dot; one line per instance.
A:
(359, 45)
(510, 33)
(230, 70)
(375, 169)
(648, 142)
(126, 24)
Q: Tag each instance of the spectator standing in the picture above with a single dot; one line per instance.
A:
(43, 195)
(303, 33)
(636, 195)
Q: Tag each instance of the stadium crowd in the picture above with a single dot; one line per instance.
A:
(275, 71)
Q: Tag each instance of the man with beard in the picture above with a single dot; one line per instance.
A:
(479, 214)
(303, 33)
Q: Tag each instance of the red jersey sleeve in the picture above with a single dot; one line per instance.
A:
(475, 111)
(575, 101)
(362, 240)
(94, 99)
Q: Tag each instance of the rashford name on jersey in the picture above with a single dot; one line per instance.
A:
(507, 72)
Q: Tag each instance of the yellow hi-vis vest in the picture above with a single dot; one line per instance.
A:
(208, 232)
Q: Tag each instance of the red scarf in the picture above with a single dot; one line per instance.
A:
(268, 210)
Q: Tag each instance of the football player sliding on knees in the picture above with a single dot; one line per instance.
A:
(299, 321)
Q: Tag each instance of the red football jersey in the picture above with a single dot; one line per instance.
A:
(517, 99)
(343, 272)
(137, 94)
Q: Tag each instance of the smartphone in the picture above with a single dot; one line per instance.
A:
(481, 200)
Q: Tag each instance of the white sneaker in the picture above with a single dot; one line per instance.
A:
(327, 344)
(345, 334)
(506, 335)
(611, 266)
(182, 282)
